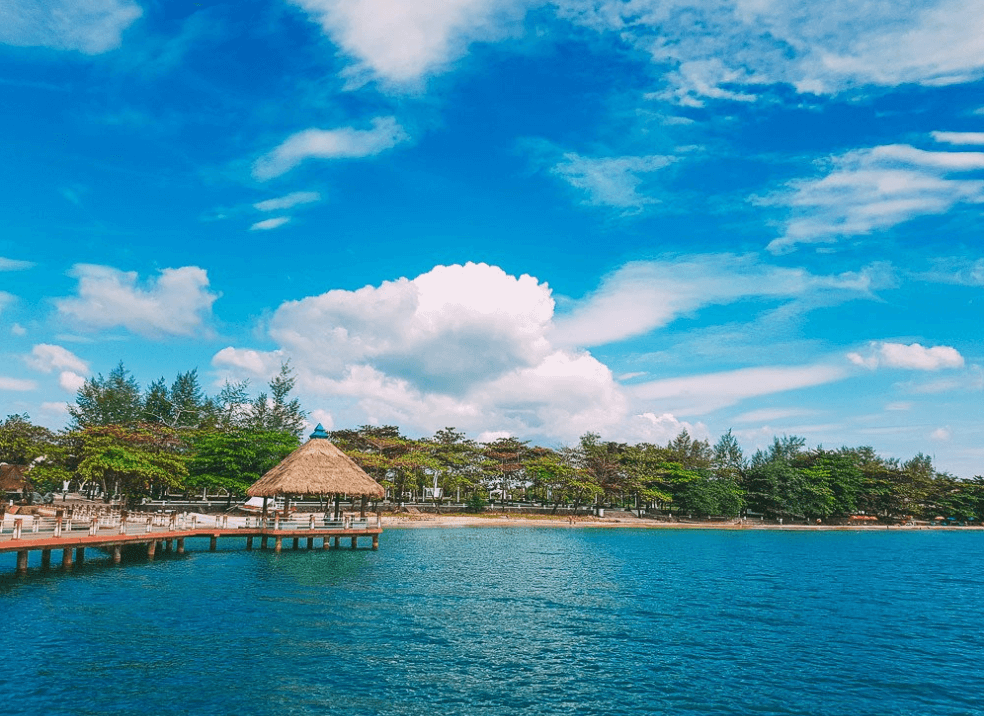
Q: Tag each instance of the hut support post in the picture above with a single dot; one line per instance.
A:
(67, 558)
(362, 510)
(22, 561)
(80, 555)
(278, 544)
(45, 558)
(375, 542)
(338, 506)
(181, 545)
(355, 542)
(249, 544)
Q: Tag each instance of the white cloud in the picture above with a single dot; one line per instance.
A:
(872, 189)
(70, 381)
(960, 271)
(48, 358)
(342, 143)
(402, 42)
(611, 181)
(899, 406)
(176, 303)
(6, 299)
(17, 384)
(16, 329)
(657, 429)
(289, 201)
(965, 138)
(766, 415)
(88, 26)
(268, 224)
(14, 264)
(722, 48)
(472, 346)
(941, 434)
(698, 394)
(911, 357)
(645, 295)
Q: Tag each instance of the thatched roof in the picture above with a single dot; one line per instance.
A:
(13, 478)
(316, 468)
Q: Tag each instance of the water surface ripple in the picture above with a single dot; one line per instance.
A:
(442, 622)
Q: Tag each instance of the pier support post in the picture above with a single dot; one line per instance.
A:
(151, 549)
(168, 545)
(338, 541)
(263, 542)
(355, 542)
(310, 542)
(212, 542)
(296, 542)
(325, 543)
(117, 553)
(181, 545)
(278, 544)
(375, 542)
(22, 561)
(79, 555)
(67, 558)
(45, 558)
(249, 543)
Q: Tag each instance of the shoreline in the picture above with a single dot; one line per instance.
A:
(423, 521)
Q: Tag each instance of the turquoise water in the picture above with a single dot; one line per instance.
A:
(511, 621)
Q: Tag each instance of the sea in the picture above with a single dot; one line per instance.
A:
(525, 621)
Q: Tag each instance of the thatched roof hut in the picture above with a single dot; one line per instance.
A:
(316, 468)
(13, 478)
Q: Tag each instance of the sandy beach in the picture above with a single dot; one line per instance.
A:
(416, 521)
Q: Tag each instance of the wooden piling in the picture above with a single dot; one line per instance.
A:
(67, 558)
(310, 542)
(325, 543)
(168, 545)
(45, 558)
(375, 542)
(181, 545)
(355, 542)
(80, 555)
(338, 542)
(22, 561)
(278, 544)
(297, 541)
(151, 549)
(117, 553)
(212, 543)
(249, 543)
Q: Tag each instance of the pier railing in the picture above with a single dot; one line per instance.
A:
(34, 527)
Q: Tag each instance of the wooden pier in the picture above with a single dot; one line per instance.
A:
(71, 536)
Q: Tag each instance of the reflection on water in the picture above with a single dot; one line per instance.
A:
(524, 621)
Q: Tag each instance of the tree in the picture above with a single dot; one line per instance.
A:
(130, 461)
(113, 400)
(232, 460)
(21, 441)
(276, 410)
(505, 463)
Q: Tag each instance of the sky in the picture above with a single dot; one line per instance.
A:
(512, 217)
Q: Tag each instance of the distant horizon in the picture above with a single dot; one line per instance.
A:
(507, 216)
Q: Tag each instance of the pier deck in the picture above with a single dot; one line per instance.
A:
(72, 536)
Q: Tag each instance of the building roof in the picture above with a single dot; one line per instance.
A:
(316, 468)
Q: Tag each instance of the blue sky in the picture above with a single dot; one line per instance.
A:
(512, 217)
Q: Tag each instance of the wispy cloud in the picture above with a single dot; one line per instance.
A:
(731, 50)
(14, 265)
(46, 358)
(17, 384)
(611, 181)
(88, 26)
(962, 138)
(959, 271)
(268, 224)
(872, 189)
(176, 303)
(341, 143)
(289, 201)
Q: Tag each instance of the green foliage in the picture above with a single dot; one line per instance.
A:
(113, 400)
(234, 459)
(476, 502)
(21, 441)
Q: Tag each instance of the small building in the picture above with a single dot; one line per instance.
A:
(14, 483)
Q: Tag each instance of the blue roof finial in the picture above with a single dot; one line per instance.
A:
(319, 432)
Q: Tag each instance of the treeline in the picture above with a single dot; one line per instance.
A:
(127, 443)
(173, 438)
(685, 477)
